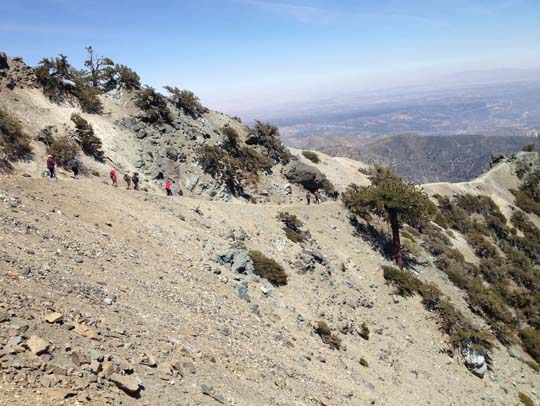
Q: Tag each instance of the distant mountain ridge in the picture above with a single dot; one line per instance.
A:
(424, 158)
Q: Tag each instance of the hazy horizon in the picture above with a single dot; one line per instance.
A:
(240, 55)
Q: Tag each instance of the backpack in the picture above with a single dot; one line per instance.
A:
(126, 178)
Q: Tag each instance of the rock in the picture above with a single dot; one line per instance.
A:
(305, 263)
(242, 291)
(3, 61)
(85, 331)
(108, 301)
(192, 182)
(58, 393)
(4, 315)
(107, 369)
(78, 358)
(37, 345)
(306, 175)
(95, 366)
(78, 259)
(209, 391)
(54, 318)
(238, 260)
(171, 153)
(475, 361)
(128, 383)
(148, 360)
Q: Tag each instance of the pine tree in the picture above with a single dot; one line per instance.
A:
(393, 199)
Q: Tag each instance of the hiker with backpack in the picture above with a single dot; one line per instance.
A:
(168, 187)
(114, 177)
(74, 165)
(135, 180)
(51, 166)
(127, 179)
(308, 197)
(317, 197)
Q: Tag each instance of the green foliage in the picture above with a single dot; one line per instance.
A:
(391, 198)
(187, 101)
(127, 78)
(452, 322)
(312, 156)
(268, 138)
(524, 399)
(333, 341)
(84, 135)
(364, 331)
(530, 338)
(528, 148)
(482, 247)
(63, 149)
(53, 75)
(154, 106)
(88, 98)
(233, 163)
(528, 195)
(14, 142)
(268, 269)
(96, 66)
(293, 227)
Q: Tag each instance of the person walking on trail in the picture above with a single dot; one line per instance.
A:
(308, 198)
(168, 187)
(114, 177)
(135, 179)
(74, 165)
(51, 166)
(127, 179)
(317, 197)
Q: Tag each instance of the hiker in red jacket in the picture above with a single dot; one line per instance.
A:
(168, 187)
(114, 178)
(51, 166)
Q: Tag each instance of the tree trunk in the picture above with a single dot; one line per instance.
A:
(394, 224)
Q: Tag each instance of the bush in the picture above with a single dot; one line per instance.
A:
(482, 247)
(293, 227)
(531, 342)
(88, 99)
(268, 138)
(268, 269)
(54, 77)
(63, 149)
(120, 76)
(14, 142)
(186, 101)
(527, 401)
(528, 148)
(84, 133)
(405, 283)
(312, 156)
(326, 335)
(364, 332)
(154, 105)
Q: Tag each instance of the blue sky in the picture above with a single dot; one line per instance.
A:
(235, 53)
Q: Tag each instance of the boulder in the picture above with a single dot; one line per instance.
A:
(305, 175)
(37, 345)
(3, 61)
(54, 318)
(238, 260)
(475, 360)
(85, 331)
(128, 383)
(171, 153)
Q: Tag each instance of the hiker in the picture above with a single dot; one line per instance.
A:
(168, 187)
(51, 166)
(308, 198)
(113, 177)
(74, 165)
(135, 179)
(127, 179)
(317, 197)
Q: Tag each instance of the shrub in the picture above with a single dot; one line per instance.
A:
(528, 148)
(63, 149)
(533, 365)
(127, 78)
(268, 269)
(88, 99)
(364, 331)
(326, 335)
(405, 283)
(154, 105)
(268, 138)
(14, 142)
(531, 342)
(312, 156)
(293, 227)
(54, 77)
(186, 101)
(90, 144)
(527, 401)
(482, 247)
